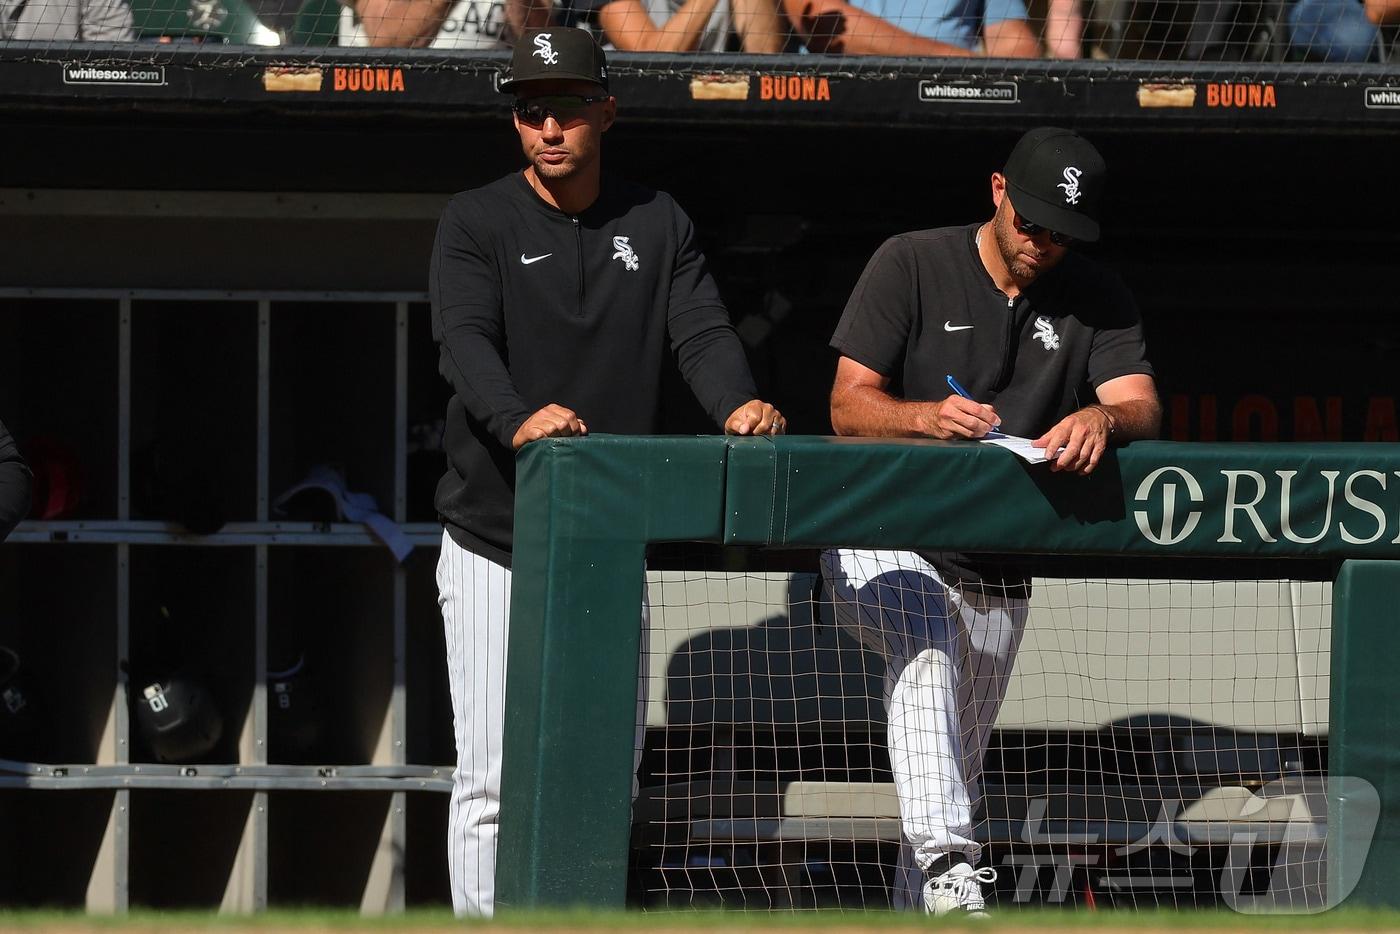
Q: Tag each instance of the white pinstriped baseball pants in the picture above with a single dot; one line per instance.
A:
(949, 655)
(474, 594)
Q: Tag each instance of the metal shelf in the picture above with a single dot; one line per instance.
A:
(260, 589)
(205, 295)
(81, 777)
(133, 532)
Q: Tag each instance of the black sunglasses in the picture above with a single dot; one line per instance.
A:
(565, 108)
(1032, 230)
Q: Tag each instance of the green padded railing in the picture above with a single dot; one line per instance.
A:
(586, 509)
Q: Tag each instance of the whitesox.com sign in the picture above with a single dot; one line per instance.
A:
(1357, 507)
(147, 76)
(969, 92)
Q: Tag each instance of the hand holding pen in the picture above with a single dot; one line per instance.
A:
(961, 416)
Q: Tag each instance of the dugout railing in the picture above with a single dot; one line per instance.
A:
(588, 509)
(787, 90)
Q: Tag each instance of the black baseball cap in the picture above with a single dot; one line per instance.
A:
(557, 53)
(1055, 178)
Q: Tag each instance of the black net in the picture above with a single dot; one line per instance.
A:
(1337, 31)
(741, 50)
(1143, 741)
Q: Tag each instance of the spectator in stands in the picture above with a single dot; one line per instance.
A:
(692, 26)
(14, 484)
(1386, 14)
(1383, 12)
(1064, 29)
(66, 21)
(1334, 30)
(996, 28)
(440, 24)
(951, 333)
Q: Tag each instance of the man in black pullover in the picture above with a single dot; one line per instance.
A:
(558, 296)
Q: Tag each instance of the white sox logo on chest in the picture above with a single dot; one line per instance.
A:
(630, 262)
(1045, 333)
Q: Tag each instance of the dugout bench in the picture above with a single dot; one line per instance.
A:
(1085, 832)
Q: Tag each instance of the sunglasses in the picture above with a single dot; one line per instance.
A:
(1032, 230)
(564, 108)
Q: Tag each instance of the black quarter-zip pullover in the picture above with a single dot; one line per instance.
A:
(533, 306)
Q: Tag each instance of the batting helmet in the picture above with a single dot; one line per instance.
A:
(177, 719)
(57, 490)
(295, 720)
(171, 482)
(19, 708)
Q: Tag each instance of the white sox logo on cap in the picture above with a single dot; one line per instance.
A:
(545, 49)
(1071, 185)
(553, 54)
(1055, 179)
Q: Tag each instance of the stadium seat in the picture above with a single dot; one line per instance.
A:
(1211, 30)
(232, 22)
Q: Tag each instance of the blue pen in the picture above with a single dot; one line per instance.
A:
(957, 388)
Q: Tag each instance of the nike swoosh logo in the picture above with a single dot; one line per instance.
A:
(527, 260)
(949, 326)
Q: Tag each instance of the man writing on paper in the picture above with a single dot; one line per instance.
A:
(1049, 346)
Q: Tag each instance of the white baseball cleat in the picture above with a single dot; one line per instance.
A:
(958, 889)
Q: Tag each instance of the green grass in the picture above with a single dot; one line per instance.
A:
(1347, 919)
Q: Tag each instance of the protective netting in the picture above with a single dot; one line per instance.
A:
(1162, 742)
(1279, 33)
